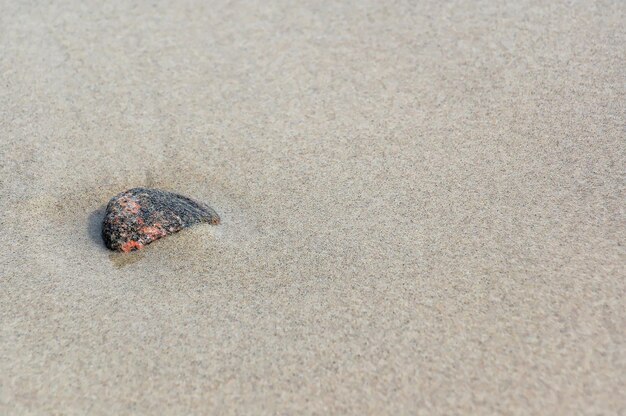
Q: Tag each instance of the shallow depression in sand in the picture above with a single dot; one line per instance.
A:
(71, 233)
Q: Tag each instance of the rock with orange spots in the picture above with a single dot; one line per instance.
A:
(140, 216)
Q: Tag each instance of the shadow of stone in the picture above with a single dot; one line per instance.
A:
(94, 226)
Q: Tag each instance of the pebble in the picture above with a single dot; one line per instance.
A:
(139, 216)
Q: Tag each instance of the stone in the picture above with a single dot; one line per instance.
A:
(139, 216)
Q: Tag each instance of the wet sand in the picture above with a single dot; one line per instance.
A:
(422, 207)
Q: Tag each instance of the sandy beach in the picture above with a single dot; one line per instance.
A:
(422, 204)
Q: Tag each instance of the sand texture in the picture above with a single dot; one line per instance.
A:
(422, 205)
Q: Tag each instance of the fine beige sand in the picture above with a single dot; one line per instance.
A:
(423, 207)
